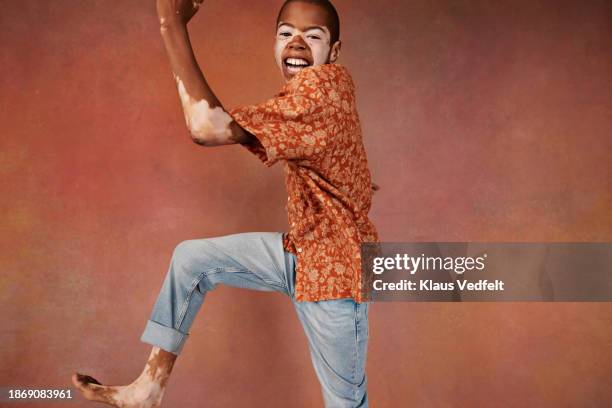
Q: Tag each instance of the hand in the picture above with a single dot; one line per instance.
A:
(173, 11)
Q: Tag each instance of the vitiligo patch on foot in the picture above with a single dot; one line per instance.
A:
(146, 391)
(205, 123)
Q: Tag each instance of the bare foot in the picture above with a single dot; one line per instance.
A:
(146, 391)
(134, 395)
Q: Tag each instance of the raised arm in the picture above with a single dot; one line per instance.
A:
(207, 120)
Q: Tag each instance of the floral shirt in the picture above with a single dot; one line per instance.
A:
(312, 126)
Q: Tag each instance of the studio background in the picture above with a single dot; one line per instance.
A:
(483, 121)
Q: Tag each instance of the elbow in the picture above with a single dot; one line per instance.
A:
(200, 140)
(203, 137)
(208, 133)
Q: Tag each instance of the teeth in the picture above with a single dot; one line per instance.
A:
(297, 61)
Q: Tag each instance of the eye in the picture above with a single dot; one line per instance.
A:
(314, 37)
(284, 34)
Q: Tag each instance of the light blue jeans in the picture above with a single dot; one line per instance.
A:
(337, 330)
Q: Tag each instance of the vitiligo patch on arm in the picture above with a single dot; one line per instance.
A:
(210, 125)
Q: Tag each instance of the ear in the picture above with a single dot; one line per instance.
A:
(334, 53)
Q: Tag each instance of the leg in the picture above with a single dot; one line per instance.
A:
(337, 332)
(253, 260)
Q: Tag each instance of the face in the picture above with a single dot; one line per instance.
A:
(302, 39)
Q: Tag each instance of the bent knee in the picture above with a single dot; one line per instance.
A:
(191, 255)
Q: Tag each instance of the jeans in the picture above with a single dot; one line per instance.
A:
(337, 330)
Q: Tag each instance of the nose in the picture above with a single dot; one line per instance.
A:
(297, 43)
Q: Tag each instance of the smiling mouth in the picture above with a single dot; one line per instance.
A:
(295, 65)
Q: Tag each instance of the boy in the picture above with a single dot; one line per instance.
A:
(313, 127)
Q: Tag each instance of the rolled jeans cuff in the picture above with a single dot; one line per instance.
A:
(166, 338)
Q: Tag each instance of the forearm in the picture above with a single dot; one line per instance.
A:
(183, 62)
(207, 121)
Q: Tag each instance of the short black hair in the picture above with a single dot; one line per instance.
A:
(333, 20)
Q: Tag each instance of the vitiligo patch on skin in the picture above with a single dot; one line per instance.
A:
(146, 391)
(317, 39)
(206, 124)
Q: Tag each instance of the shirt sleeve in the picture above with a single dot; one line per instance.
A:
(289, 126)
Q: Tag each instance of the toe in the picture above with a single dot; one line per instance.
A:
(85, 379)
(75, 380)
(93, 390)
(85, 383)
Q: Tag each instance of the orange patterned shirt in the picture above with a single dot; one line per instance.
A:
(313, 127)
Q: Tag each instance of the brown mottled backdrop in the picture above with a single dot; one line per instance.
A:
(484, 120)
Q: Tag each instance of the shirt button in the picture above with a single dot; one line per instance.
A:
(299, 249)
